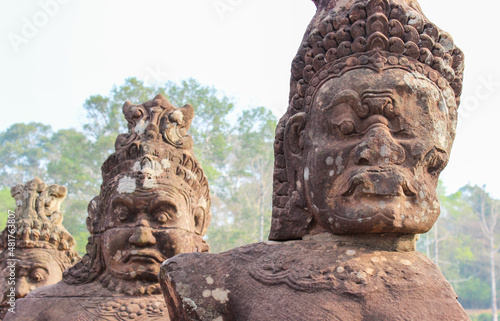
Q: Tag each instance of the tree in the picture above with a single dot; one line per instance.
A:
(487, 211)
(104, 114)
(254, 145)
(7, 203)
(24, 152)
(244, 214)
(210, 128)
(73, 163)
(455, 244)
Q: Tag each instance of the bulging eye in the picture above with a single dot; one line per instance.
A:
(347, 127)
(37, 275)
(389, 111)
(163, 217)
(122, 213)
(123, 216)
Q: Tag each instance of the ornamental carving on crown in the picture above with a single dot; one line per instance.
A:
(35, 246)
(151, 125)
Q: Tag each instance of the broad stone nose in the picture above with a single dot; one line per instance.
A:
(142, 235)
(22, 288)
(379, 148)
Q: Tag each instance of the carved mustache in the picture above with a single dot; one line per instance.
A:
(146, 253)
(381, 182)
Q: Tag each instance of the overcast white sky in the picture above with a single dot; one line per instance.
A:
(84, 47)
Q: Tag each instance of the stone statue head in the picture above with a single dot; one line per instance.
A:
(154, 201)
(36, 248)
(371, 122)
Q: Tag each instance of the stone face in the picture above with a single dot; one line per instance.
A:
(36, 248)
(308, 280)
(374, 93)
(373, 109)
(154, 204)
(372, 165)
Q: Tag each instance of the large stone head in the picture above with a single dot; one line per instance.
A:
(371, 121)
(36, 248)
(154, 201)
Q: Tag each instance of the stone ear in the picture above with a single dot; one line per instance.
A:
(201, 220)
(294, 145)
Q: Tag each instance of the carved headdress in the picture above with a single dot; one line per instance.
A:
(38, 220)
(156, 147)
(351, 34)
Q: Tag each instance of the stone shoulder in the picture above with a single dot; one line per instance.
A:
(248, 280)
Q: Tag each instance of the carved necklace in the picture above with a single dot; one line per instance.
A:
(131, 288)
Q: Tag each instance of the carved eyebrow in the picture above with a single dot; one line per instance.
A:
(382, 93)
(24, 266)
(157, 203)
(121, 200)
(38, 266)
(348, 96)
(31, 267)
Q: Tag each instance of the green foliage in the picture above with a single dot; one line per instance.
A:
(71, 162)
(75, 212)
(457, 244)
(480, 316)
(474, 293)
(245, 213)
(23, 149)
(104, 114)
(6, 203)
(210, 127)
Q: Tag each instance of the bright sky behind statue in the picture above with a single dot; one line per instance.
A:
(57, 53)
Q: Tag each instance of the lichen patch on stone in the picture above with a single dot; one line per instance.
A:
(166, 164)
(350, 252)
(126, 185)
(141, 127)
(220, 295)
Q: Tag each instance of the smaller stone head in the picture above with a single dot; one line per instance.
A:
(154, 201)
(36, 247)
(371, 122)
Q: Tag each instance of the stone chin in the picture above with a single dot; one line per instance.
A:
(374, 200)
(376, 215)
(131, 262)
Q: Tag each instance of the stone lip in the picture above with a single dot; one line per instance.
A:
(307, 280)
